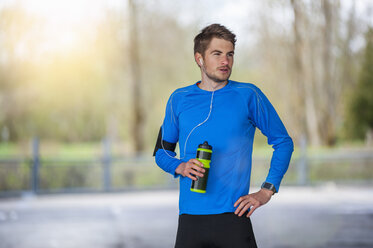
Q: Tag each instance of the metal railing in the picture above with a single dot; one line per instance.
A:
(112, 173)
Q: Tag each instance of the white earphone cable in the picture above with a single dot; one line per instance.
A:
(200, 124)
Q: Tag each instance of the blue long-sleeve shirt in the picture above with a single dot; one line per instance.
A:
(237, 110)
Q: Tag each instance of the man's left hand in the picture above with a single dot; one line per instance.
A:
(253, 201)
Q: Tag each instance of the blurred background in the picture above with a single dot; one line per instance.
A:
(83, 89)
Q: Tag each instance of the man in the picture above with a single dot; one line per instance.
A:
(224, 113)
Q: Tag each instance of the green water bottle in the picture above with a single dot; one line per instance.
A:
(204, 152)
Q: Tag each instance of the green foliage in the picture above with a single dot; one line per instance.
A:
(62, 94)
(360, 110)
(82, 92)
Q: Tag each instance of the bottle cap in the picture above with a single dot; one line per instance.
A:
(205, 145)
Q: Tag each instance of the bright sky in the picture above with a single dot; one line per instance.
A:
(66, 18)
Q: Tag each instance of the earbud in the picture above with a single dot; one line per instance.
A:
(201, 61)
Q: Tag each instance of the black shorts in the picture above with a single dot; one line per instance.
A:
(225, 230)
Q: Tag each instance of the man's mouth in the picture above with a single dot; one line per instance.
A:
(224, 69)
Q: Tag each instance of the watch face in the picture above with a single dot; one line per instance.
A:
(269, 186)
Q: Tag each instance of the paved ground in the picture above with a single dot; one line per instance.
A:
(317, 217)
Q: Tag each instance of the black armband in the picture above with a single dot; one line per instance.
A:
(166, 145)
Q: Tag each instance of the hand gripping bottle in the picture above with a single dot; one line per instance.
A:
(204, 152)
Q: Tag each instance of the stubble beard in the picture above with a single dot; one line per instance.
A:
(216, 79)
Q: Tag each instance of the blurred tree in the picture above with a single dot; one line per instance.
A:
(57, 94)
(137, 126)
(91, 90)
(167, 61)
(111, 45)
(361, 106)
(319, 63)
(115, 80)
(19, 33)
(330, 95)
(304, 109)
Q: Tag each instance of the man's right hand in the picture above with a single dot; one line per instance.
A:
(191, 169)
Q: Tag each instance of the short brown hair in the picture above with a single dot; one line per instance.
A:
(202, 40)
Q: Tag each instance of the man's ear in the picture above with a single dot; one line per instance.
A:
(199, 59)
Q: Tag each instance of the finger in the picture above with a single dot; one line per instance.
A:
(239, 201)
(191, 176)
(244, 209)
(251, 211)
(242, 205)
(197, 162)
(197, 168)
(191, 165)
(195, 172)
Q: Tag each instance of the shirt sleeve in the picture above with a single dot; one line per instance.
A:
(267, 120)
(166, 159)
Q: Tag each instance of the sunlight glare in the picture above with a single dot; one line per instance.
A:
(67, 22)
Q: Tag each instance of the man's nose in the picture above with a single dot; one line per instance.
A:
(225, 60)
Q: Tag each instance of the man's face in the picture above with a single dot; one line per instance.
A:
(218, 60)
